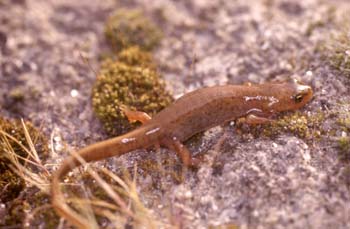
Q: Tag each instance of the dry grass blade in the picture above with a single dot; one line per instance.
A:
(40, 180)
(111, 193)
(94, 202)
(37, 175)
(142, 215)
(32, 152)
(87, 211)
(10, 152)
(106, 187)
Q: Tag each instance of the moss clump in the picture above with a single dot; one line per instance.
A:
(127, 28)
(134, 56)
(297, 123)
(9, 180)
(138, 88)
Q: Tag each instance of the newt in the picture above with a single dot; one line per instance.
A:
(190, 114)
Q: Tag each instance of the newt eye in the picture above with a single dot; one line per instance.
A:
(298, 98)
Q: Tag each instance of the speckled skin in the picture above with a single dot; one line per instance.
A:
(192, 113)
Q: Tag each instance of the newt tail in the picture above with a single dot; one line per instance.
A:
(109, 148)
(191, 114)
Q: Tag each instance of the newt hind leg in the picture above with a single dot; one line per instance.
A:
(181, 150)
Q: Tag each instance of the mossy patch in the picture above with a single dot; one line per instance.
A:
(134, 56)
(119, 84)
(343, 142)
(304, 126)
(344, 121)
(127, 28)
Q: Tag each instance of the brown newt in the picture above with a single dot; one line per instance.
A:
(190, 114)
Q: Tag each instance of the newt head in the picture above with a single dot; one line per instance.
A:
(291, 95)
(278, 97)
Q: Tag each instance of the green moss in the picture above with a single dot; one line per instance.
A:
(299, 124)
(134, 56)
(127, 28)
(138, 88)
(343, 142)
